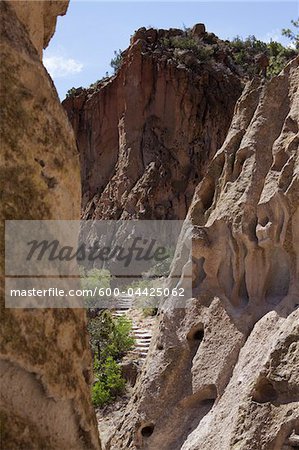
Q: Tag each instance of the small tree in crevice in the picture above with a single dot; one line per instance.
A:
(115, 62)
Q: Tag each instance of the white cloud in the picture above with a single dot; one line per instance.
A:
(59, 66)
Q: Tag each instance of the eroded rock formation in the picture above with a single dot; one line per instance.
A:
(45, 358)
(146, 134)
(222, 373)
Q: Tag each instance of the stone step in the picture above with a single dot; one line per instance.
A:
(142, 336)
(139, 353)
(143, 332)
(141, 339)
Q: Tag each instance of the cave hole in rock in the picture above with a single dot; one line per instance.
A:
(198, 336)
(147, 430)
(195, 338)
(264, 391)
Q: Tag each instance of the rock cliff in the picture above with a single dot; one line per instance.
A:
(146, 134)
(222, 373)
(45, 358)
(163, 138)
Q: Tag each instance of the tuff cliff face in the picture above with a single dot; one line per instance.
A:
(45, 358)
(222, 373)
(146, 134)
(39, 19)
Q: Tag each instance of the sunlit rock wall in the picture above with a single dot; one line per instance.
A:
(223, 372)
(45, 359)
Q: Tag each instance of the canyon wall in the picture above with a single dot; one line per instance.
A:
(45, 358)
(223, 372)
(145, 135)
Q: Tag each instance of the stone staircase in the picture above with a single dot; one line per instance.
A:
(142, 336)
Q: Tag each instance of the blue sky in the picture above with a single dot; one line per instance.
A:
(85, 39)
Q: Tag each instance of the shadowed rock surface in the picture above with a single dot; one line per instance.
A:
(45, 358)
(145, 135)
(223, 372)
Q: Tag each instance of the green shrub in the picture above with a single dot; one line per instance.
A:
(245, 51)
(279, 56)
(150, 312)
(115, 62)
(110, 339)
(122, 337)
(100, 394)
(72, 91)
(109, 384)
(200, 51)
(109, 336)
(112, 375)
(184, 43)
(293, 34)
(94, 278)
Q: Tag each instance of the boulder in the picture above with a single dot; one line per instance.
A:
(198, 30)
(130, 370)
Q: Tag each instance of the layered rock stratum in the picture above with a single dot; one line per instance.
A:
(45, 357)
(145, 135)
(222, 373)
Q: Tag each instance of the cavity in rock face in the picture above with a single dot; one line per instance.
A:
(146, 134)
(45, 358)
(223, 372)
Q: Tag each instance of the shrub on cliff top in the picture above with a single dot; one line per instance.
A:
(244, 52)
(293, 34)
(115, 62)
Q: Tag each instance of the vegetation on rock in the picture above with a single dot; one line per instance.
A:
(115, 62)
(245, 51)
(293, 34)
(110, 339)
(239, 54)
(99, 279)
